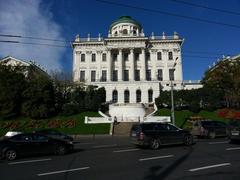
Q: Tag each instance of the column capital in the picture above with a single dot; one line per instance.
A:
(153, 51)
(88, 52)
(120, 50)
(131, 50)
(99, 52)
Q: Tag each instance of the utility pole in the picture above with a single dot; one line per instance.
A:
(172, 97)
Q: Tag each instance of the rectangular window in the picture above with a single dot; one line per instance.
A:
(147, 56)
(126, 75)
(104, 57)
(82, 76)
(82, 57)
(171, 74)
(136, 56)
(115, 75)
(148, 75)
(114, 57)
(160, 74)
(170, 55)
(93, 57)
(104, 76)
(159, 56)
(125, 56)
(93, 76)
(137, 75)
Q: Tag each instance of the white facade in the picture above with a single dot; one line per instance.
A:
(131, 66)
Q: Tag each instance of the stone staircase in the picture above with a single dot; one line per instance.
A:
(149, 110)
(122, 128)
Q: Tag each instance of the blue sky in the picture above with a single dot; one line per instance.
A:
(63, 19)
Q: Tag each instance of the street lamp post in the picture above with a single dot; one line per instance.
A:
(172, 98)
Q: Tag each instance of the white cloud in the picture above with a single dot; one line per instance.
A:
(30, 18)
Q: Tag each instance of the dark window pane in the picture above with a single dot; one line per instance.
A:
(159, 56)
(93, 57)
(82, 57)
(160, 75)
(170, 55)
(104, 57)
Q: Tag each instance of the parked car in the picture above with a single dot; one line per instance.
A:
(209, 128)
(234, 130)
(55, 134)
(32, 143)
(154, 135)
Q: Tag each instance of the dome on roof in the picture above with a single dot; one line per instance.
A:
(125, 26)
(125, 19)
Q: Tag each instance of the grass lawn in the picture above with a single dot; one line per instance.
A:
(182, 116)
(70, 124)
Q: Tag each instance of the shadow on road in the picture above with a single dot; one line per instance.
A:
(158, 173)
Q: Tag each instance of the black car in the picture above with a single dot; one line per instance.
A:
(209, 128)
(32, 144)
(54, 134)
(154, 135)
(234, 130)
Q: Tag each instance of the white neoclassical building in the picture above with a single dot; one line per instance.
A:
(131, 66)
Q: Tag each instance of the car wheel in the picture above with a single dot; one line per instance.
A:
(10, 154)
(155, 144)
(211, 135)
(188, 140)
(61, 150)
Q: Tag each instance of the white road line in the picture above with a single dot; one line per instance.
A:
(30, 161)
(235, 148)
(157, 157)
(126, 150)
(208, 167)
(63, 171)
(222, 142)
(107, 145)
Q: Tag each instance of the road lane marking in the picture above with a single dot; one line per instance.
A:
(208, 167)
(126, 150)
(157, 157)
(222, 142)
(63, 171)
(30, 161)
(235, 148)
(107, 145)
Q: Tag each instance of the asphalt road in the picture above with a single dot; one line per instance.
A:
(115, 158)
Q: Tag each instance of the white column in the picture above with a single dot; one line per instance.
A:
(153, 58)
(143, 65)
(165, 69)
(98, 60)
(109, 70)
(74, 69)
(88, 61)
(120, 65)
(131, 61)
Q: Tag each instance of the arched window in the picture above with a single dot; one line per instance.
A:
(125, 31)
(115, 33)
(126, 96)
(134, 32)
(138, 96)
(150, 95)
(115, 96)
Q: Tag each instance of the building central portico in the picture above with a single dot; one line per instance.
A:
(131, 66)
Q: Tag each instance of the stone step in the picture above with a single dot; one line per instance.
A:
(122, 128)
